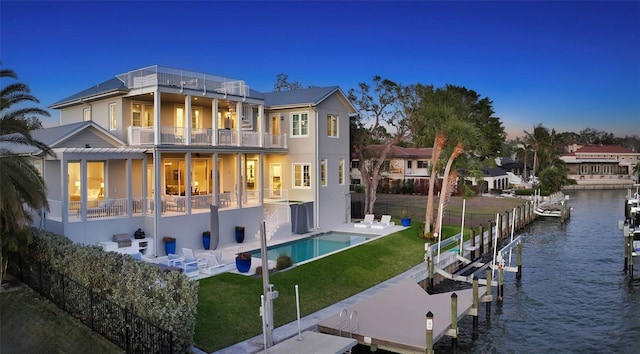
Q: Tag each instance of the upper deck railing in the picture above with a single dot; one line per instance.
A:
(183, 79)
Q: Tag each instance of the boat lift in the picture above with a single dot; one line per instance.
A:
(437, 259)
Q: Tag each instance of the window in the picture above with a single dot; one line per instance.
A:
(341, 172)
(409, 164)
(86, 114)
(301, 176)
(113, 123)
(196, 118)
(142, 115)
(423, 164)
(355, 163)
(332, 126)
(300, 124)
(323, 172)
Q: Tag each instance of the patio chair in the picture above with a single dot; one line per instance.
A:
(385, 221)
(368, 221)
(190, 257)
(188, 266)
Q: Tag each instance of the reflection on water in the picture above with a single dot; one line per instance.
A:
(573, 296)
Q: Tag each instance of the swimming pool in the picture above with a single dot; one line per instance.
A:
(312, 247)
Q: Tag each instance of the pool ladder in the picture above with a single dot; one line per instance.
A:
(350, 323)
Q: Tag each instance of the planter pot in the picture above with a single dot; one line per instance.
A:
(406, 221)
(243, 265)
(239, 234)
(170, 247)
(206, 240)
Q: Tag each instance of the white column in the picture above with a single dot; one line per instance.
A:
(239, 179)
(214, 122)
(260, 125)
(214, 179)
(129, 173)
(187, 187)
(187, 118)
(239, 122)
(156, 118)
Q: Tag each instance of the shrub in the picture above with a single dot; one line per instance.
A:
(283, 262)
(167, 299)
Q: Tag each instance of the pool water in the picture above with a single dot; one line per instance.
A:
(313, 247)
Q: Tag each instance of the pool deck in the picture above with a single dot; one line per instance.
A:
(289, 331)
(227, 253)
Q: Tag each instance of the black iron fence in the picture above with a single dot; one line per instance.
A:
(122, 327)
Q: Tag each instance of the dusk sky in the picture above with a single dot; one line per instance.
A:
(569, 65)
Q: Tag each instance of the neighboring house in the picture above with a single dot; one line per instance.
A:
(494, 179)
(176, 153)
(401, 164)
(601, 164)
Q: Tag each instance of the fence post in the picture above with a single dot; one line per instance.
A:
(127, 324)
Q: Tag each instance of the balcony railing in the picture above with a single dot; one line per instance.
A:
(183, 79)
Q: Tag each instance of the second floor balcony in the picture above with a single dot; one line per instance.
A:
(171, 135)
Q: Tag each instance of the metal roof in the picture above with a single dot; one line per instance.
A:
(112, 86)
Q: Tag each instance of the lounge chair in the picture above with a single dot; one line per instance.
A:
(369, 219)
(190, 257)
(188, 266)
(385, 221)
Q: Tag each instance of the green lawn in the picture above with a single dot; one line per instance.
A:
(228, 303)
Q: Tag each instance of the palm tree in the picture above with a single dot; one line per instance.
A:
(22, 188)
(538, 139)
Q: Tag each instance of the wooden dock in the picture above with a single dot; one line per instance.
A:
(396, 319)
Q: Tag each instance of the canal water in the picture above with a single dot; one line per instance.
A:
(573, 296)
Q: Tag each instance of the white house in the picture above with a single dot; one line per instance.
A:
(601, 164)
(177, 152)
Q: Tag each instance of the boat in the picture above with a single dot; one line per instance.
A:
(556, 213)
(554, 209)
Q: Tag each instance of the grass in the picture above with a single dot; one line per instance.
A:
(31, 324)
(228, 303)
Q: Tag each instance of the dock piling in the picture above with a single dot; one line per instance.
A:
(474, 308)
(429, 333)
(489, 286)
(453, 329)
(519, 261)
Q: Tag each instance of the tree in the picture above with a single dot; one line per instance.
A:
(539, 141)
(385, 114)
(283, 84)
(457, 118)
(22, 188)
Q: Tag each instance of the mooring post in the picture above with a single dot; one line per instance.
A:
(519, 260)
(490, 238)
(500, 278)
(489, 286)
(472, 235)
(427, 260)
(481, 232)
(453, 330)
(429, 333)
(627, 239)
(507, 222)
(474, 308)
